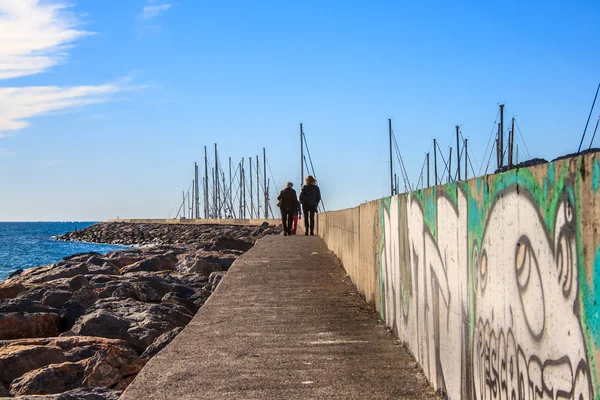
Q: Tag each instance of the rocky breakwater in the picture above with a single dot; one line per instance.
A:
(84, 327)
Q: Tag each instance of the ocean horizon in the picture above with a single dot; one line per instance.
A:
(30, 244)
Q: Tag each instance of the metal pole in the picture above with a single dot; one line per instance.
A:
(588, 120)
(449, 164)
(243, 190)
(466, 159)
(257, 190)
(427, 156)
(183, 205)
(230, 188)
(265, 183)
(217, 205)
(501, 135)
(196, 191)
(457, 154)
(435, 162)
(511, 143)
(498, 148)
(517, 154)
(391, 159)
(189, 205)
(214, 210)
(241, 200)
(251, 193)
(301, 155)
(206, 205)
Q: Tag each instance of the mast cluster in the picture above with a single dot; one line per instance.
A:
(228, 191)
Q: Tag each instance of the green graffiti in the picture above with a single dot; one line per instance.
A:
(595, 175)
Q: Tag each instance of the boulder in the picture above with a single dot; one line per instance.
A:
(79, 303)
(106, 269)
(229, 242)
(136, 322)
(56, 298)
(4, 391)
(16, 359)
(11, 290)
(78, 394)
(160, 343)
(28, 325)
(214, 279)
(102, 363)
(158, 263)
(58, 271)
(24, 305)
(176, 299)
(54, 378)
(15, 273)
(196, 264)
(77, 282)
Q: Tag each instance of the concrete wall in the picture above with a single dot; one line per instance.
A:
(492, 283)
(225, 221)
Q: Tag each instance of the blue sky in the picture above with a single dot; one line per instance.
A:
(105, 105)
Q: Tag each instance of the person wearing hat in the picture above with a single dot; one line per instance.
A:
(288, 203)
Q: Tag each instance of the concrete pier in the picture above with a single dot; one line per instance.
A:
(285, 323)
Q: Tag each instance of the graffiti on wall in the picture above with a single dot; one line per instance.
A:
(482, 282)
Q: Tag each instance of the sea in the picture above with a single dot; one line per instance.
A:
(30, 244)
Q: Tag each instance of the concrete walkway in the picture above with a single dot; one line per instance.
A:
(285, 323)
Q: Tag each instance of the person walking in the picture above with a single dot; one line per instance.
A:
(288, 202)
(297, 215)
(310, 196)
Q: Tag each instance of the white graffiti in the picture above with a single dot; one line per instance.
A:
(526, 341)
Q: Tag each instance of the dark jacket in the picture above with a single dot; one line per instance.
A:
(310, 196)
(288, 200)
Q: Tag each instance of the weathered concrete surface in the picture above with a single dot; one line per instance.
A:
(285, 323)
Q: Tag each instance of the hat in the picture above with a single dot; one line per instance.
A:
(289, 184)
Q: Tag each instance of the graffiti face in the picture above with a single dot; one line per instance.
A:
(488, 315)
(528, 341)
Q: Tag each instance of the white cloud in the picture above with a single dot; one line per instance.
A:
(153, 11)
(17, 105)
(34, 36)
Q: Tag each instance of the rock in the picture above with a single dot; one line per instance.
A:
(228, 242)
(157, 263)
(18, 359)
(10, 291)
(56, 298)
(108, 368)
(106, 269)
(16, 273)
(104, 362)
(24, 305)
(175, 298)
(160, 343)
(28, 325)
(4, 391)
(214, 279)
(136, 322)
(196, 264)
(54, 378)
(79, 394)
(79, 303)
(59, 271)
(77, 282)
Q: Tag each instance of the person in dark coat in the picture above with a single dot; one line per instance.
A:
(310, 196)
(288, 203)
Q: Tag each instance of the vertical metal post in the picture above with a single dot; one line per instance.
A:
(251, 193)
(511, 142)
(243, 172)
(183, 205)
(450, 165)
(217, 205)
(197, 191)
(265, 183)
(391, 159)
(427, 156)
(214, 210)
(457, 153)
(206, 206)
(466, 159)
(501, 135)
(240, 190)
(230, 188)
(498, 148)
(435, 174)
(301, 155)
(257, 190)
